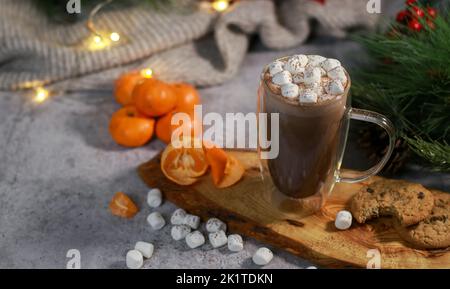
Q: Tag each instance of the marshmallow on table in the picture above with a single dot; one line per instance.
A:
(213, 225)
(178, 217)
(235, 243)
(195, 239)
(308, 96)
(315, 60)
(218, 239)
(156, 220)
(145, 248)
(191, 221)
(343, 220)
(275, 67)
(338, 74)
(289, 90)
(335, 87)
(134, 259)
(262, 256)
(282, 77)
(330, 64)
(179, 232)
(154, 198)
(296, 63)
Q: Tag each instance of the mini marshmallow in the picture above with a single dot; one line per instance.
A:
(191, 221)
(335, 88)
(145, 248)
(178, 217)
(262, 256)
(298, 78)
(134, 259)
(282, 77)
(343, 220)
(275, 67)
(179, 232)
(218, 239)
(330, 64)
(312, 76)
(323, 72)
(338, 74)
(308, 96)
(235, 243)
(315, 60)
(289, 90)
(213, 225)
(195, 239)
(296, 63)
(156, 220)
(154, 198)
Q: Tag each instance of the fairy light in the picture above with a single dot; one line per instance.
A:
(40, 94)
(99, 40)
(220, 5)
(147, 73)
(114, 36)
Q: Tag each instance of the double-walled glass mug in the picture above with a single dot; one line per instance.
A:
(306, 163)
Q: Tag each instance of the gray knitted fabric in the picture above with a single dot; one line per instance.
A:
(200, 47)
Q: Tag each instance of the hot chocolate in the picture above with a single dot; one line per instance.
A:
(310, 95)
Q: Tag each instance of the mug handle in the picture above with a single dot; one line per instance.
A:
(381, 120)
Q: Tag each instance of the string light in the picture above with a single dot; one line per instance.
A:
(99, 40)
(114, 36)
(40, 94)
(220, 5)
(147, 73)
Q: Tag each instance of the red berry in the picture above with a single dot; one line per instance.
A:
(430, 24)
(411, 2)
(415, 25)
(432, 12)
(419, 13)
(402, 16)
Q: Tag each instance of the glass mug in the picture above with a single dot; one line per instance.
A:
(311, 145)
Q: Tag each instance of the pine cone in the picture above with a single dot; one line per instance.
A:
(375, 141)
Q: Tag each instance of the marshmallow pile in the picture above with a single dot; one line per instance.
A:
(183, 224)
(308, 78)
(187, 226)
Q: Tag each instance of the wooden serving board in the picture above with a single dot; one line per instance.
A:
(247, 211)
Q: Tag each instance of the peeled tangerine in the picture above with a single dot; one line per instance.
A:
(226, 170)
(186, 163)
(183, 164)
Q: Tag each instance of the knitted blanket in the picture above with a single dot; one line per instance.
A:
(201, 47)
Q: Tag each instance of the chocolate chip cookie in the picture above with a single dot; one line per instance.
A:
(434, 231)
(408, 203)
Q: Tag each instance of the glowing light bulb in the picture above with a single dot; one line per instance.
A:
(115, 36)
(97, 39)
(97, 42)
(147, 73)
(40, 94)
(220, 5)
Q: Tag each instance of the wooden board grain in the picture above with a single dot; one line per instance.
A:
(247, 210)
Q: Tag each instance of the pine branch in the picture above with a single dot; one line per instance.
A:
(408, 80)
(437, 153)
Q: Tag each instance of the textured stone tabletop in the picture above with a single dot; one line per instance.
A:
(59, 169)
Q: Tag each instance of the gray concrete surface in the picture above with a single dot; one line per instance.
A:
(59, 168)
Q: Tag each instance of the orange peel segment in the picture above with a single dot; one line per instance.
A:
(122, 206)
(226, 170)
